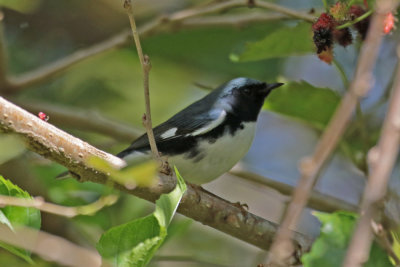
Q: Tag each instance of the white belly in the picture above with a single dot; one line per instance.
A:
(220, 157)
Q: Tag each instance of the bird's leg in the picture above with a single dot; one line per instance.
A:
(164, 165)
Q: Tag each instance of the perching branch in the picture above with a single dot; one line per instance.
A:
(311, 167)
(382, 159)
(174, 21)
(200, 205)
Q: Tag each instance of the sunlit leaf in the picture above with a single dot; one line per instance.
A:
(15, 216)
(134, 243)
(303, 101)
(331, 246)
(283, 42)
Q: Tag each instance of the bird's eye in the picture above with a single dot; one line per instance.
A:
(246, 91)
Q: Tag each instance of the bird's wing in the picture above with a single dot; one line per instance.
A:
(180, 126)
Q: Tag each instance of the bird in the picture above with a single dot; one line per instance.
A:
(207, 138)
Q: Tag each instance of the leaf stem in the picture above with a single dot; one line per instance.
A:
(356, 20)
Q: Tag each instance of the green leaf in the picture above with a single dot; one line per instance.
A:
(134, 243)
(142, 253)
(11, 147)
(285, 41)
(4, 220)
(167, 204)
(23, 6)
(14, 216)
(331, 246)
(123, 238)
(303, 101)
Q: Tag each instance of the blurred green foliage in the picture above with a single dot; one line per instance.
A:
(13, 216)
(331, 246)
(295, 41)
(303, 101)
(23, 6)
(11, 147)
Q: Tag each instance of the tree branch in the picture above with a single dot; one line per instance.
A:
(200, 205)
(311, 167)
(173, 21)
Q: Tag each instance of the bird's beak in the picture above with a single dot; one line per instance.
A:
(269, 87)
(272, 86)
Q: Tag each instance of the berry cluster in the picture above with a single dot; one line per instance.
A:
(327, 31)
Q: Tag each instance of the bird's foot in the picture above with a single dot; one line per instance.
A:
(244, 208)
(164, 166)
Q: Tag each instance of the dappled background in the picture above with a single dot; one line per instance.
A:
(184, 62)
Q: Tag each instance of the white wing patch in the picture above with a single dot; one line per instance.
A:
(169, 133)
(210, 126)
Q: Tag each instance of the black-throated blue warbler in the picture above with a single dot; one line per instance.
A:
(207, 138)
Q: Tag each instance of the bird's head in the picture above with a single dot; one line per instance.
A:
(244, 97)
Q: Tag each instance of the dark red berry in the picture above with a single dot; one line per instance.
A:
(343, 36)
(362, 27)
(323, 39)
(324, 21)
(323, 29)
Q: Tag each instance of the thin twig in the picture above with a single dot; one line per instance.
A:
(287, 11)
(175, 20)
(382, 159)
(51, 247)
(87, 120)
(200, 205)
(51, 70)
(235, 20)
(39, 203)
(311, 167)
(146, 66)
